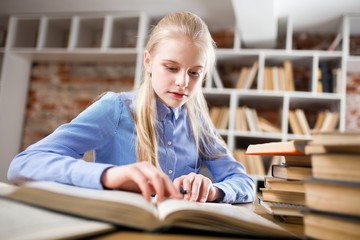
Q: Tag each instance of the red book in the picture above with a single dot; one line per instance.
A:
(293, 147)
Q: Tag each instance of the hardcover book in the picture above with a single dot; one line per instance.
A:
(333, 196)
(132, 210)
(336, 166)
(328, 225)
(22, 221)
(291, 172)
(283, 196)
(293, 147)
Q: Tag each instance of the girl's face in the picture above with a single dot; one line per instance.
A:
(177, 69)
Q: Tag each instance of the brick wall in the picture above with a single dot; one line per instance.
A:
(353, 101)
(60, 91)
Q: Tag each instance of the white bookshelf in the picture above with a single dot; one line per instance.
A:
(112, 38)
(258, 97)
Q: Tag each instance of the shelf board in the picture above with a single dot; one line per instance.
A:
(119, 55)
(276, 52)
(354, 59)
(262, 135)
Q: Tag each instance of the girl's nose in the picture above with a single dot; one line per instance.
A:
(182, 80)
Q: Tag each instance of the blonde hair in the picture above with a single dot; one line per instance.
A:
(145, 114)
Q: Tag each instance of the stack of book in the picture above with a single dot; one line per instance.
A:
(333, 194)
(283, 195)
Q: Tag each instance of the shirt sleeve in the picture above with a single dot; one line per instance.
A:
(58, 157)
(232, 179)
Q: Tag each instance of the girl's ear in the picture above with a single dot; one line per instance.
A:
(147, 61)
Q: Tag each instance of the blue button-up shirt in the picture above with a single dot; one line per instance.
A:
(107, 128)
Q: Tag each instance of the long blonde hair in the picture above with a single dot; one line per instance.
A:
(145, 114)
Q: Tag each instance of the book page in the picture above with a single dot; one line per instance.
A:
(21, 221)
(217, 217)
(119, 207)
(123, 197)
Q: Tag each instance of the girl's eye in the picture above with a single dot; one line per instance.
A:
(194, 73)
(172, 69)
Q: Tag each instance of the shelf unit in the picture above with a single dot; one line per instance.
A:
(79, 38)
(120, 38)
(277, 104)
(306, 96)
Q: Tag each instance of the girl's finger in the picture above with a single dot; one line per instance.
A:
(205, 190)
(195, 188)
(187, 185)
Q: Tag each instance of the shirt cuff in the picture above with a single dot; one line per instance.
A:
(88, 174)
(229, 194)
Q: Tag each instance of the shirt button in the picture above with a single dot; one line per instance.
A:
(170, 171)
(169, 143)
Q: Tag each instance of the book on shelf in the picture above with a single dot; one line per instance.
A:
(291, 172)
(239, 155)
(326, 78)
(282, 79)
(304, 124)
(241, 121)
(220, 116)
(267, 126)
(293, 147)
(256, 164)
(326, 121)
(250, 78)
(337, 74)
(333, 196)
(132, 210)
(273, 183)
(319, 121)
(319, 83)
(328, 225)
(215, 115)
(223, 118)
(268, 79)
(331, 120)
(275, 78)
(242, 77)
(295, 123)
(252, 119)
(279, 196)
(289, 75)
(23, 221)
(253, 164)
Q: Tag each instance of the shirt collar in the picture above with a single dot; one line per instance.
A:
(164, 110)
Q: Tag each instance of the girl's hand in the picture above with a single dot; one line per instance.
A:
(198, 188)
(140, 177)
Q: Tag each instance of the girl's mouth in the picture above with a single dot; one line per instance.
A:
(178, 94)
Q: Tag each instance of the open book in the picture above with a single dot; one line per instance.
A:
(22, 221)
(132, 210)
